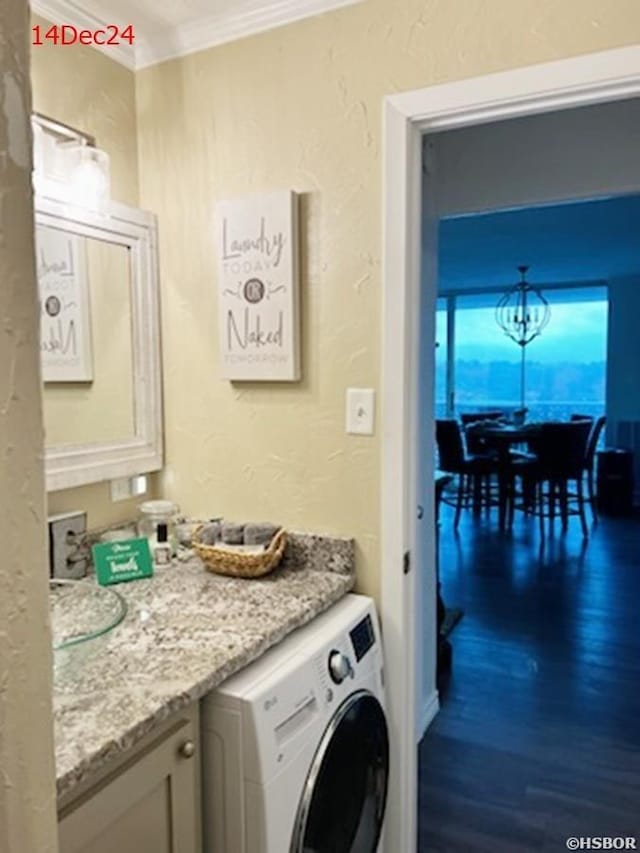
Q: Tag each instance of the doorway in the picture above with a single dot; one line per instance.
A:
(408, 344)
(538, 713)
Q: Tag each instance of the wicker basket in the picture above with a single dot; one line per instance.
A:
(226, 561)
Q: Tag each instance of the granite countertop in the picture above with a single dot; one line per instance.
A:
(186, 630)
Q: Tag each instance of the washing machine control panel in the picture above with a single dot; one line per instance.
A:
(339, 666)
(362, 637)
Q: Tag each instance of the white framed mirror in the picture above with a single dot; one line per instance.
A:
(100, 342)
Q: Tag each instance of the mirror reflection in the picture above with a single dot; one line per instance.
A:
(86, 313)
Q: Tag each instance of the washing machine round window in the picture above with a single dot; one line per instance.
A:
(343, 801)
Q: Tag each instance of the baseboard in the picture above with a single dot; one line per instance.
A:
(429, 709)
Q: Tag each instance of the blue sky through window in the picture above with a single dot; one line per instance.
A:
(576, 332)
(566, 365)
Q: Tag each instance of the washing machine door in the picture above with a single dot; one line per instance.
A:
(344, 796)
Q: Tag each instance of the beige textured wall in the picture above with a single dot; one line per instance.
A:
(27, 791)
(84, 88)
(300, 107)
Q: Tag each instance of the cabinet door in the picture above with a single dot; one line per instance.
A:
(151, 805)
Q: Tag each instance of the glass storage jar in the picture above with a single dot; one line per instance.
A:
(153, 513)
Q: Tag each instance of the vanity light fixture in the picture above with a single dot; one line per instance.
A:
(89, 179)
(68, 166)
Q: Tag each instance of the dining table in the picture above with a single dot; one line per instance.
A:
(502, 440)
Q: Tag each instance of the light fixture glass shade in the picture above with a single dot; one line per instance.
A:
(89, 178)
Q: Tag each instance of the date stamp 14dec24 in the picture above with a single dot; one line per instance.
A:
(65, 35)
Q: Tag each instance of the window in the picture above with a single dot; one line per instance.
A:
(565, 368)
(487, 362)
(441, 358)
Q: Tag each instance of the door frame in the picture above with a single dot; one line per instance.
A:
(590, 79)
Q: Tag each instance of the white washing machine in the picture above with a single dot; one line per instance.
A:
(295, 748)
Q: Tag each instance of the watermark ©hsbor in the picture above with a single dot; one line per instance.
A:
(601, 842)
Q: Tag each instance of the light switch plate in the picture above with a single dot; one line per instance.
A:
(360, 411)
(139, 485)
(120, 489)
(68, 554)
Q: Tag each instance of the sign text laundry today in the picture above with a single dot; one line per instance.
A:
(257, 247)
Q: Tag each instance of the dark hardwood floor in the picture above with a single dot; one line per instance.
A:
(538, 736)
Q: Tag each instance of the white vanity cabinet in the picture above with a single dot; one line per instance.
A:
(147, 802)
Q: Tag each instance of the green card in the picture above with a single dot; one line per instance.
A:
(123, 560)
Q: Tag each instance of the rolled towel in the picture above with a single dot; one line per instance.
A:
(232, 533)
(259, 533)
(184, 533)
(210, 534)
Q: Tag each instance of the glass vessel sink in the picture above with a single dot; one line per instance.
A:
(82, 610)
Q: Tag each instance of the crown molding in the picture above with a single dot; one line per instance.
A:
(212, 30)
(67, 12)
(198, 34)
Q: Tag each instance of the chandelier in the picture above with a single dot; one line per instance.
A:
(522, 313)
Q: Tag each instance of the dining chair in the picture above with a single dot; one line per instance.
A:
(560, 458)
(590, 463)
(473, 470)
(578, 417)
(475, 443)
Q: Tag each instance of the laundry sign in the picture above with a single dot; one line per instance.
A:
(257, 248)
(65, 323)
